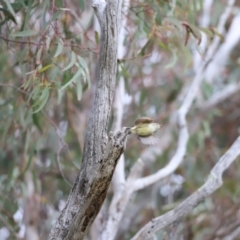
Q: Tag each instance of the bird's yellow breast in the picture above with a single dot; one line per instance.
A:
(145, 129)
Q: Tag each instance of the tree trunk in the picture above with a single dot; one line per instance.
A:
(101, 152)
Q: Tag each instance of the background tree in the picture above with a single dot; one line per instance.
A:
(177, 62)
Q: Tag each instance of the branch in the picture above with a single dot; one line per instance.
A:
(101, 153)
(220, 96)
(213, 182)
(44, 44)
(111, 225)
(119, 174)
(119, 203)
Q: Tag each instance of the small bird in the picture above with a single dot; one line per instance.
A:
(145, 128)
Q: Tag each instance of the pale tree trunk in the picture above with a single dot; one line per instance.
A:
(101, 152)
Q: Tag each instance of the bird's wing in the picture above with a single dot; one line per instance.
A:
(143, 120)
(151, 140)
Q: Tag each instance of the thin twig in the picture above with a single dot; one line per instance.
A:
(12, 86)
(55, 44)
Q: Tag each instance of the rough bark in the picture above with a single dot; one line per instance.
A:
(101, 152)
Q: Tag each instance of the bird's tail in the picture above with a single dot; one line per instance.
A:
(151, 140)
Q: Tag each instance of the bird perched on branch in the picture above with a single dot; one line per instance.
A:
(145, 128)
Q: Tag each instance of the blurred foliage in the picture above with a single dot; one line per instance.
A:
(48, 57)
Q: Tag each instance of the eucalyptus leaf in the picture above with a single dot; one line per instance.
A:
(48, 42)
(33, 95)
(10, 8)
(176, 22)
(174, 59)
(43, 69)
(73, 79)
(26, 33)
(59, 48)
(40, 98)
(85, 67)
(44, 100)
(72, 62)
(79, 90)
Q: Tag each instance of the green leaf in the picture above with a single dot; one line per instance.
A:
(27, 83)
(175, 22)
(76, 75)
(57, 84)
(196, 33)
(207, 129)
(15, 173)
(60, 96)
(194, 6)
(8, 16)
(200, 139)
(5, 131)
(59, 48)
(72, 62)
(21, 55)
(186, 56)
(79, 90)
(147, 47)
(36, 122)
(85, 67)
(82, 4)
(32, 153)
(22, 115)
(83, 63)
(23, 70)
(27, 141)
(48, 41)
(206, 89)
(208, 32)
(54, 17)
(9, 7)
(215, 31)
(201, 5)
(27, 15)
(39, 98)
(26, 33)
(158, 18)
(44, 97)
(124, 71)
(161, 44)
(174, 58)
(38, 57)
(45, 68)
(34, 94)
